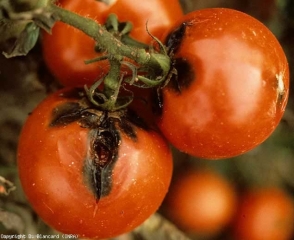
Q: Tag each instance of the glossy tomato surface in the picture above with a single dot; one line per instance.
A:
(201, 202)
(85, 176)
(66, 49)
(232, 85)
(265, 214)
(154, 15)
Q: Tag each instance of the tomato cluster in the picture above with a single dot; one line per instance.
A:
(100, 173)
(204, 203)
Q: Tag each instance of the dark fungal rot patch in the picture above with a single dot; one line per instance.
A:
(178, 82)
(184, 77)
(66, 114)
(103, 138)
(101, 158)
(181, 73)
(133, 120)
(174, 39)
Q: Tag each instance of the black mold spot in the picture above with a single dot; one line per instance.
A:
(101, 158)
(65, 114)
(175, 38)
(184, 77)
(104, 137)
(179, 82)
(128, 129)
(138, 121)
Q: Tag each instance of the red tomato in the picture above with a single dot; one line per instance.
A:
(265, 214)
(91, 173)
(232, 85)
(201, 202)
(155, 15)
(66, 49)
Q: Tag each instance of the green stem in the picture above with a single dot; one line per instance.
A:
(158, 64)
(105, 39)
(111, 81)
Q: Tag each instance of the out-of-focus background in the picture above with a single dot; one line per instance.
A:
(262, 177)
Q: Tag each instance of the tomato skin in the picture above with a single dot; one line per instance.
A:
(155, 15)
(265, 214)
(66, 49)
(201, 202)
(51, 164)
(233, 82)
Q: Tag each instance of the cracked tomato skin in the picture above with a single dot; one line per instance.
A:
(232, 87)
(66, 49)
(51, 162)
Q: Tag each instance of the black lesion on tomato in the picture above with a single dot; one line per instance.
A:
(174, 39)
(178, 83)
(184, 77)
(65, 114)
(181, 74)
(103, 153)
(104, 137)
(101, 158)
(131, 122)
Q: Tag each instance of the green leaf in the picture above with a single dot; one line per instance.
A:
(25, 41)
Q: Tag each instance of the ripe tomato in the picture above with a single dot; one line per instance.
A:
(201, 202)
(91, 173)
(232, 85)
(155, 15)
(265, 214)
(66, 49)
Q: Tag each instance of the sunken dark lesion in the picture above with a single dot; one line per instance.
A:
(178, 83)
(101, 158)
(182, 73)
(175, 38)
(65, 114)
(104, 137)
(184, 77)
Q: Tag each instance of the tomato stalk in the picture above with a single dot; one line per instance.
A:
(158, 64)
(149, 66)
(114, 47)
(109, 99)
